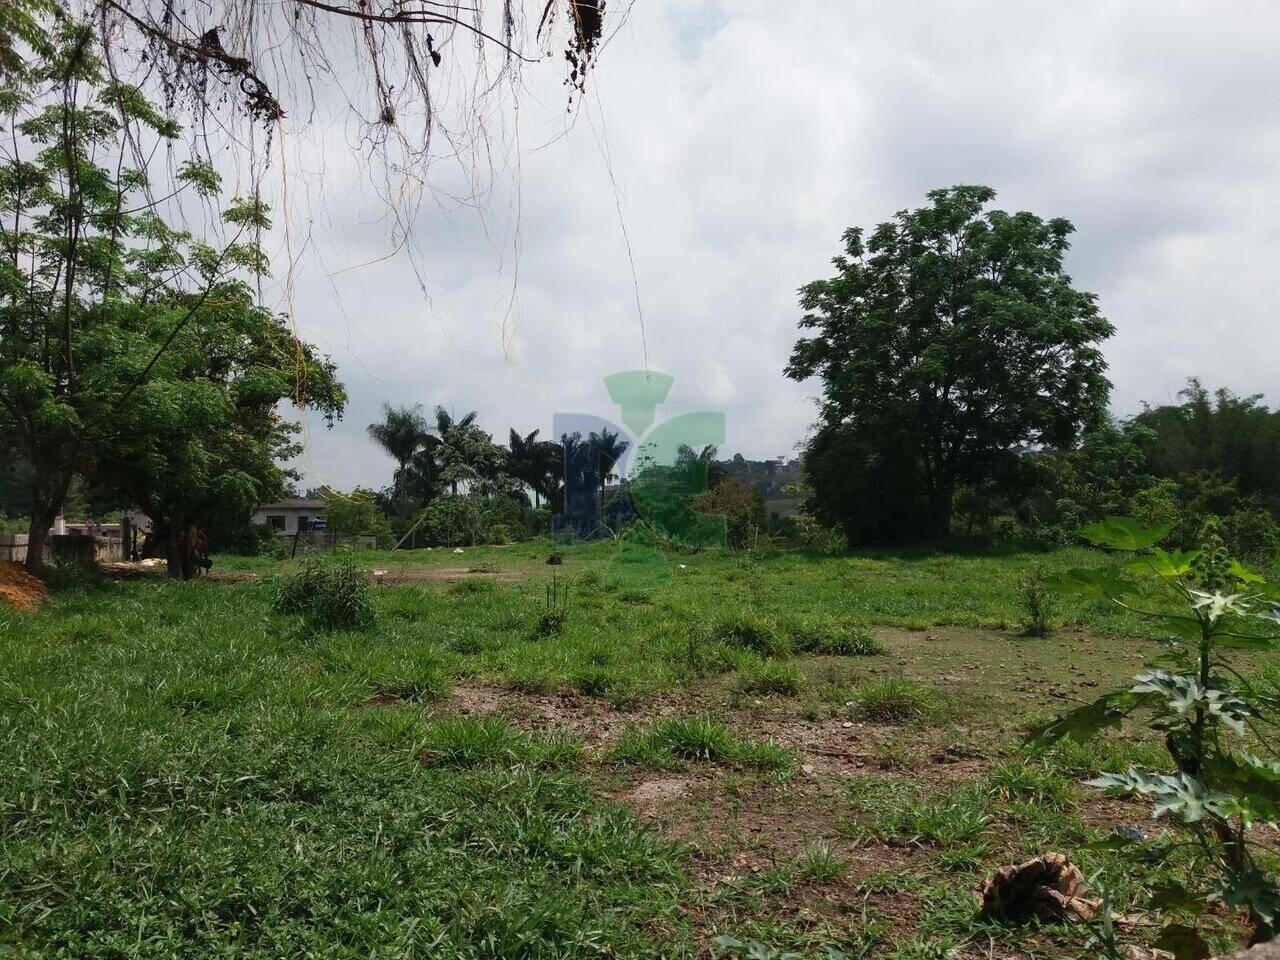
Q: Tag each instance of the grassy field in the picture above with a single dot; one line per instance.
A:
(810, 752)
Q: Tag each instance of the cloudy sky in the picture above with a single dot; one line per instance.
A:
(736, 140)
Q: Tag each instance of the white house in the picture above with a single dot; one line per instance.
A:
(292, 514)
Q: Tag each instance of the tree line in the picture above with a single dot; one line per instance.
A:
(964, 390)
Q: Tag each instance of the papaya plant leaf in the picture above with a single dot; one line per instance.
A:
(1164, 563)
(1124, 533)
(1180, 628)
(1255, 891)
(1097, 584)
(1244, 574)
(1083, 722)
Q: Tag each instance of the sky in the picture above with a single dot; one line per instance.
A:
(722, 148)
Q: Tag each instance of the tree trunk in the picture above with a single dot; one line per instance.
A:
(940, 509)
(41, 521)
(48, 493)
(180, 560)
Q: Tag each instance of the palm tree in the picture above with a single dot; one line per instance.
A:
(608, 448)
(467, 454)
(535, 463)
(549, 457)
(402, 432)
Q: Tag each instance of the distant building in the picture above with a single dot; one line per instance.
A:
(291, 515)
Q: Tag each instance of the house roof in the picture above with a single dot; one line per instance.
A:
(295, 503)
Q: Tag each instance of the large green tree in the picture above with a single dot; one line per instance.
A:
(947, 339)
(203, 439)
(132, 353)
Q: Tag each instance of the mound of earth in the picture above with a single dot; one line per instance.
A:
(18, 588)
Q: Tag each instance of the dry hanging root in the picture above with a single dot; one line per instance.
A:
(1048, 888)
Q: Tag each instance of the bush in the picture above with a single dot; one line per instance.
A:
(807, 533)
(1252, 535)
(245, 538)
(464, 520)
(331, 591)
(741, 506)
(358, 515)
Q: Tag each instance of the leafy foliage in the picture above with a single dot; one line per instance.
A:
(133, 353)
(1209, 714)
(949, 336)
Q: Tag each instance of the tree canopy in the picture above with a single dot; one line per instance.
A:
(132, 353)
(947, 339)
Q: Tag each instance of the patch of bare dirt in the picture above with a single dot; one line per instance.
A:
(18, 588)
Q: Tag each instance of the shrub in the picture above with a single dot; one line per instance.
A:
(246, 539)
(452, 520)
(1252, 535)
(808, 533)
(357, 515)
(741, 506)
(331, 591)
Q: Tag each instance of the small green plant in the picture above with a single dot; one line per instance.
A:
(1037, 604)
(818, 863)
(949, 821)
(555, 610)
(331, 591)
(1225, 774)
(463, 742)
(893, 700)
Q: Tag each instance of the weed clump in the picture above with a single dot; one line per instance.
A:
(551, 619)
(463, 742)
(895, 700)
(665, 744)
(330, 591)
(818, 863)
(757, 634)
(834, 640)
(769, 678)
(1037, 604)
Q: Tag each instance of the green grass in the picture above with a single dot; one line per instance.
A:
(190, 772)
(669, 743)
(894, 700)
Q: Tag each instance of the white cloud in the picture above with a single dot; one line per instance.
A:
(745, 136)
